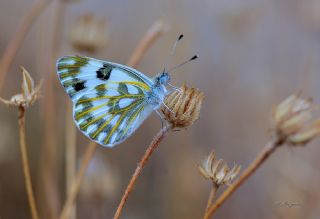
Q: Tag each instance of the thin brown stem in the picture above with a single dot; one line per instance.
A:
(153, 145)
(260, 159)
(75, 187)
(17, 39)
(48, 189)
(212, 195)
(71, 152)
(25, 164)
(154, 32)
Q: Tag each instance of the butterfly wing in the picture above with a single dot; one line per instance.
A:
(78, 74)
(109, 99)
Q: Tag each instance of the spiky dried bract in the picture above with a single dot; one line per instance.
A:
(183, 107)
(29, 93)
(293, 120)
(89, 33)
(218, 171)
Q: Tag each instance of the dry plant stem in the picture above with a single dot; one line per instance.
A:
(68, 206)
(25, 164)
(212, 195)
(49, 195)
(154, 32)
(16, 41)
(71, 151)
(153, 145)
(262, 157)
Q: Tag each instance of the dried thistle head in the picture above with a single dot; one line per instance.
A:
(29, 93)
(218, 171)
(183, 107)
(89, 33)
(293, 120)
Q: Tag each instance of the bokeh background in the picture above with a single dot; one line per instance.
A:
(252, 55)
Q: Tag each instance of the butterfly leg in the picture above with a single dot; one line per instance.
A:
(174, 87)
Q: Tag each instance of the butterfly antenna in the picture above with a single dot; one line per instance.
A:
(173, 50)
(183, 63)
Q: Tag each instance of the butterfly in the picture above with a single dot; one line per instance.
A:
(110, 100)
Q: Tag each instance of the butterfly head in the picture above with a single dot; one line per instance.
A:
(163, 78)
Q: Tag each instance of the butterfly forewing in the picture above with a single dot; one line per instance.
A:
(109, 99)
(79, 74)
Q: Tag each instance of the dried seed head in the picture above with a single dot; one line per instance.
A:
(88, 33)
(183, 107)
(29, 93)
(218, 171)
(293, 122)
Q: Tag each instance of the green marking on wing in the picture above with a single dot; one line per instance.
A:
(134, 114)
(123, 88)
(72, 69)
(88, 111)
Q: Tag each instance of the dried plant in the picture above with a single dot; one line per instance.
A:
(29, 94)
(291, 119)
(50, 31)
(218, 172)
(183, 107)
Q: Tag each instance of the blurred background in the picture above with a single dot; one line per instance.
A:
(252, 54)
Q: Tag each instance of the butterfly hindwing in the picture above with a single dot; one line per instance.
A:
(109, 99)
(110, 119)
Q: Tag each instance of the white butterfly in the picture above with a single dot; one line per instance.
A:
(110, 101)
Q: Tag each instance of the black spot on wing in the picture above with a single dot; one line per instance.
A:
(79, 86)
(104, 72)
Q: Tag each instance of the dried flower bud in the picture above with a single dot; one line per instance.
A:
(183, 107)
(89, 33)
(293, 120)
(29, 94)
(218, 171)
